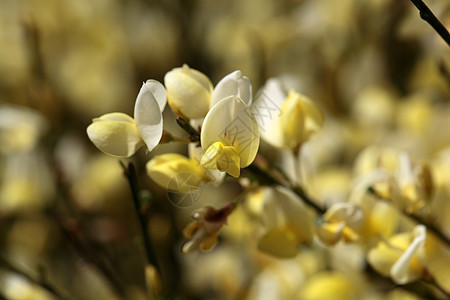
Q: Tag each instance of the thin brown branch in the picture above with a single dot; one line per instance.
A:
(130, 174)
(427, 15)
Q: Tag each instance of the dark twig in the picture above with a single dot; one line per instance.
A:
(130, 174)
(194, 135)
(267, 178)
(43, 284)
(427, 15)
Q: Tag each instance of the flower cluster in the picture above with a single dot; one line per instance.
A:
(224, 124)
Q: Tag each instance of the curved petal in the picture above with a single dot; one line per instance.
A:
(437, 260)
(280, 242)
(147, 114)
(313, 116)
(223, 158)
(189, 92)
(115, 134)
(266, 108)
(196, 153)
(292, 121)
(176, 172)
(234, 84)
(401, 271)
(120, 117)
(158, 91)
(231, 122)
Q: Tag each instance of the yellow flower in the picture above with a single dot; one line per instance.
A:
(408, 186)
(176, 172)
(229, 137)
(437, 261)
(342, 221)
(285, 121)
(286, 222)
(328, 285)
(118, 134)
(20, 128)
(400, 256)
(188, 91)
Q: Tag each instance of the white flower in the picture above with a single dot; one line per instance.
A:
(234, 84)
(286, 120)
(229, 137)
(118, 134)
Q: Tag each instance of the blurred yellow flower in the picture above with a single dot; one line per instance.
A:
(285, 221)
(399, 257)
(20, 128)
(342, 221)
(328, 285)
(285, 120)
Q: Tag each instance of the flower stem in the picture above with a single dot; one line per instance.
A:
(194, 135)
(267, 178)
(131, 175)
(427, 15)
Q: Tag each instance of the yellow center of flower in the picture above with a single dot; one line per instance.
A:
(223, 158)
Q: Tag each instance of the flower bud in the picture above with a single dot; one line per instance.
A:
(176, 172)
(188, 91)
(300, 118)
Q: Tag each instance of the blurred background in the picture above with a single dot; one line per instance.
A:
(380, 74)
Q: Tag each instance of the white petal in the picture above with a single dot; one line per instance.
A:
(148, 116)
(115, 134)
(400, 270)
(234, 84)
(231, 122)
(266, 108)
(158, 91)
(245, 90)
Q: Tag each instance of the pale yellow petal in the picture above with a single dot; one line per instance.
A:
(115, 134)
(328, 285)
(189, 92)
(279, 242)
(437, 261)
(313, 116)
(231, 122)
(330, 233)
(292, 121)
(222, 158)
(176, 172)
